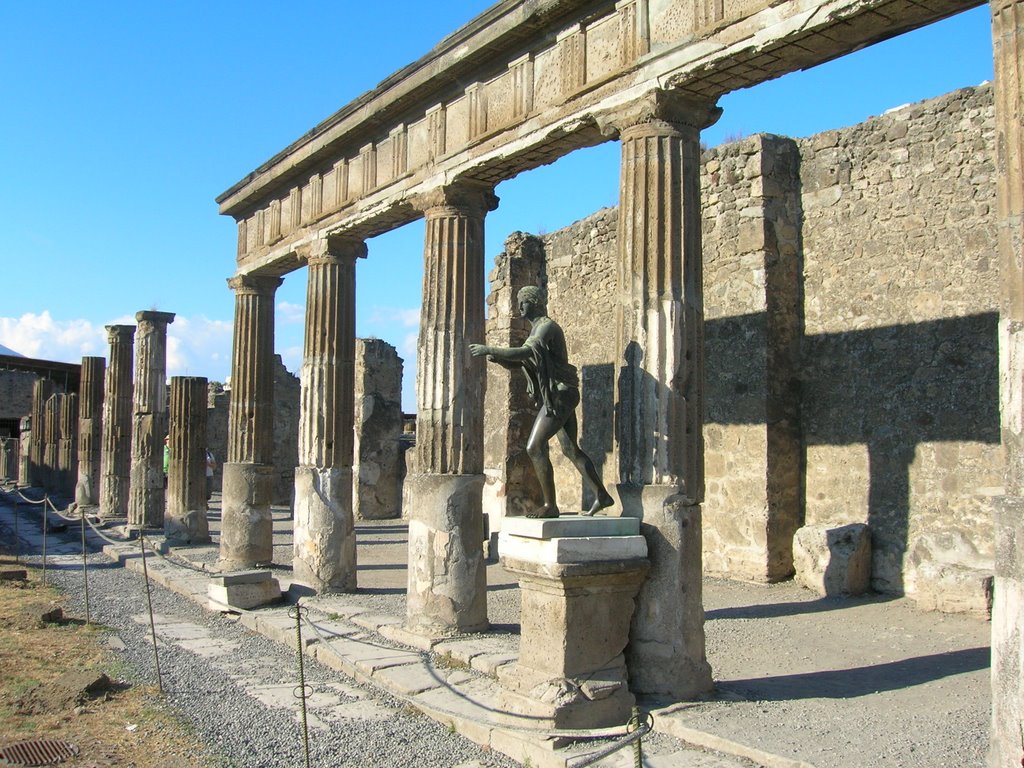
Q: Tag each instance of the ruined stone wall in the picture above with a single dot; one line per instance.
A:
(850, 297)
(15, 394)
(900, 407)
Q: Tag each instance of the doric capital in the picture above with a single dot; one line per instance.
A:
(659, 111)
(154, 318)
(254, 285)
(120, 333)
(332, 249)
(466, 198)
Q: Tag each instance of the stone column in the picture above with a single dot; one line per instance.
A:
(659, 397)
(149, 421)
(185, 521)
(51, 431)
(377, 490)
(67, 445)
(8, 458)
(42, 390)
(246, 537)
(24, 451)
(447, 577)
(115, 454)
(90, 431)
(325, 540)
(511, 486)
(1007, 742)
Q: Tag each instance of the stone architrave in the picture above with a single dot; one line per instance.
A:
(185, 521)
(67, 445)
(511, 487)
(90, 431)
(246, 537)
(659, 386)
(146, 498)
(447, 591)
(1007, 742)
(324, 536)
(42, 390)
(377, 487)
(115, 454)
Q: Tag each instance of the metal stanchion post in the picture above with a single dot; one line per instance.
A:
(45, 526)
(149, 606)
(300, 692)
(85, 568)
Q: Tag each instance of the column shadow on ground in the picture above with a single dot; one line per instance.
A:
(794, 608)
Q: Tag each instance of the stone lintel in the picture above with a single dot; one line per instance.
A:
(571, 525)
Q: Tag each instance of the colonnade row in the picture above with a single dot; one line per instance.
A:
(104, 445)
(659, 340)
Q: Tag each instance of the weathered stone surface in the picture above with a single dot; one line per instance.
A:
(1008, 634)
(186, 521)
(90, 431)
(243, 596)
(447, 591)
(378, 424)
(248, 472)
(574, 549)
(324, 539)
(146, 497)
(8, 458)
(115, 457)
(574, 625)
(42, 391)
(572, 525)
(67, 446)
(833, 561)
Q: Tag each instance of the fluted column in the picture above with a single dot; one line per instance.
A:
(185, 521)
(90, 431)
(67, 445)
(447, 577)
(1007, 742)
(146, 496)
(51, 431)
(115, 455)
(659, 397)
(324, 536)
(42, 390)
(246, 537)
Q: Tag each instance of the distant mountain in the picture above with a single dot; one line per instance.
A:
(8, 351)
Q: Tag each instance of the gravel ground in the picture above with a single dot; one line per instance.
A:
(240, 729)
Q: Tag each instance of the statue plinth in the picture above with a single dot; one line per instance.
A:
(579, 577)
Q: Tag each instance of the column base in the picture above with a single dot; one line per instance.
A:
(447, 592)
(190, 527)
(324, 538)
(666, 654)
(247, 532)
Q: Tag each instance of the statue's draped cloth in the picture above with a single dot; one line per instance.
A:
(552, 381)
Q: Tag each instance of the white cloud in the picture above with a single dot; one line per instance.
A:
(403, 316)
(407, 349)
(43, 337)
(291, 313)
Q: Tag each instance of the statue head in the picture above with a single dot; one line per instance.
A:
(535, 297)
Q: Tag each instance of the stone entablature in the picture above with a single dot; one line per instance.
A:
(541, 78)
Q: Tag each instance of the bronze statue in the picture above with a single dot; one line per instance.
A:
(554, 386)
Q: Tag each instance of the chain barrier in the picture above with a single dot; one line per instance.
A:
(300, 692)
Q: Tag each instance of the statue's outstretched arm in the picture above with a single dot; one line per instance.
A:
(500, 355)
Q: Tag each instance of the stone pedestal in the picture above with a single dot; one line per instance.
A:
(246, 537)
(146, 498)
(115, 455)
(447, 574)
(90, 431)
(242, 591)
(579, 577)
(186, 521)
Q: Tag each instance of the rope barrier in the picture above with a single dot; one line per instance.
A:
(298, 613)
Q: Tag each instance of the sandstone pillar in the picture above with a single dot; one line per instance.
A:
(24, 451)
(146, 496)
(1007, 744)
(67, 446)
(185, 521)
(115, 455)
(90, 431)
(378, 413)
(51, 430)
(42, 390)
(325, 540)
(511, 486)
(447, 577)
(246, 527)
(659, 397)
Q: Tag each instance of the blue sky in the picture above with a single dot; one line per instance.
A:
(123, 121)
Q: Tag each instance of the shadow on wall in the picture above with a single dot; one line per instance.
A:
(889, 388)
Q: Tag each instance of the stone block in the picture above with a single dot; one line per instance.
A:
(572, 550)
(255, 576)
(571, 525)
(244, 596)
(833, 561)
